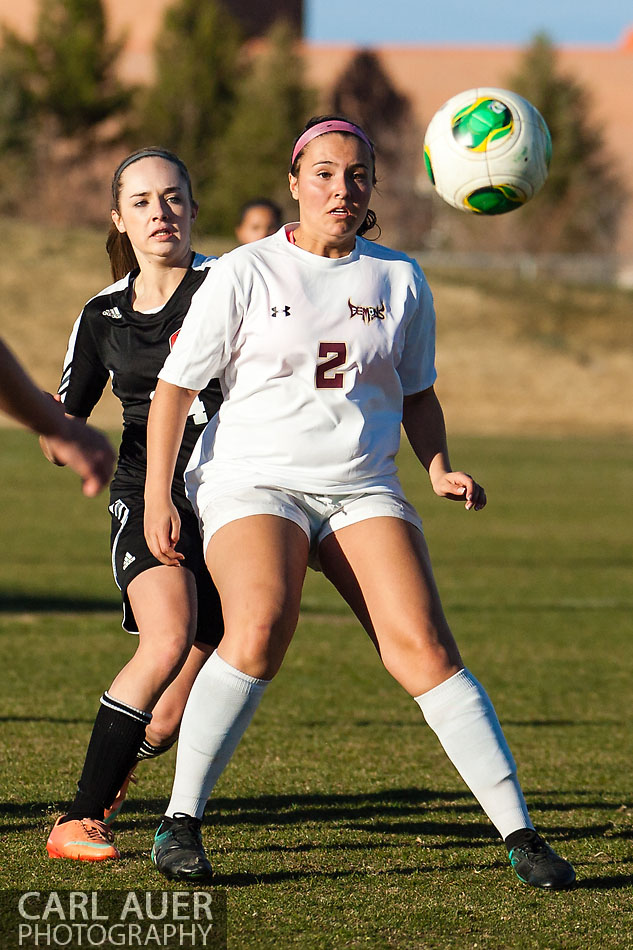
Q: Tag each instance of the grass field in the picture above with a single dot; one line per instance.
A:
(340, 824)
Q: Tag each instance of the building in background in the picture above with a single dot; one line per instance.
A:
(428, 75)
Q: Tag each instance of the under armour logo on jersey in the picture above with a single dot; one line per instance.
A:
(128, 559)
(367, 313)
(280, 311)
(115, 313)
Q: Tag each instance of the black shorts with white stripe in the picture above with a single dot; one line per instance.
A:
(131, 556)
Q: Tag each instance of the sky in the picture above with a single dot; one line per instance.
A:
(460, 22)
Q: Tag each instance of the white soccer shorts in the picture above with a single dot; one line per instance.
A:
(317, 515)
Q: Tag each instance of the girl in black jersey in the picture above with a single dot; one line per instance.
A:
(124, 334)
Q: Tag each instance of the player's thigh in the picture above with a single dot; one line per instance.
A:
(258, 564)
(382, 568)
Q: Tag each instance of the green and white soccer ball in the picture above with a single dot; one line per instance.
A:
(487, 151)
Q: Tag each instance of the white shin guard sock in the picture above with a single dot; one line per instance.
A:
(464, 720)
(221, 704)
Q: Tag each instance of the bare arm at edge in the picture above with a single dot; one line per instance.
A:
(69, 441)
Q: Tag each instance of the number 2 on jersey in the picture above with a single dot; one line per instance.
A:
(333, 355)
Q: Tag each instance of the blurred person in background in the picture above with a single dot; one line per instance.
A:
(259, 218)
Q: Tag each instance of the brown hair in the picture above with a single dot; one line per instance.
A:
(371, 221)
(120, 251)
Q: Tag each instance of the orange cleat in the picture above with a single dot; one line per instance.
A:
(109, 814)
(85, 839)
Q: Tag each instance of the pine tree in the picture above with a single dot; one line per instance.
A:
(61, 105)
(271, 108)
(191, 101)
(365, 93)
(17, 104)
(67, 71)
(580, 204)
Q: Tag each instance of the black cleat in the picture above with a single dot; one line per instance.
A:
(177, 851)
(535, 863)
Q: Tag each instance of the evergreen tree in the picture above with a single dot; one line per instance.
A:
(271, 108)
(67, 71)
(17, 105)
(17, 130)
(191, 101)
(579, 206)
(56, 93)
(364, 93)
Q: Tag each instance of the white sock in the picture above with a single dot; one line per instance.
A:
(464, 720)
(221, 704)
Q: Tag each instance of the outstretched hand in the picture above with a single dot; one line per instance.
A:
(84, 449)
(458, 486)
(88, 452)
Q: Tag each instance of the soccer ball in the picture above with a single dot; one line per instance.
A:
(487, 151)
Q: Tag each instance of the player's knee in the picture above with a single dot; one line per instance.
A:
(164, 727)
(421, 647)
(164, 661)
(259, 654)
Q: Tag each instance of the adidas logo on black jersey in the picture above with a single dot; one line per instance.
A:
(114, 312)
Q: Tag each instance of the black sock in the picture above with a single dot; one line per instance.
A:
(518, 838)
(149, 751)
(116, 737)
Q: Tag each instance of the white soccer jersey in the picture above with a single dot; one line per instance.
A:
(314, 355)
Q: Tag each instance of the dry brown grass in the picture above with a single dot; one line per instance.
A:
(534, 357)
(514, 356)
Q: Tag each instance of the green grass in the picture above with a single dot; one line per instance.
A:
(340, 823)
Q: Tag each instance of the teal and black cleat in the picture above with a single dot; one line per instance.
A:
(535, 863)
(177, 851)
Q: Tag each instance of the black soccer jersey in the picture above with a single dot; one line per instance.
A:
(111, 340)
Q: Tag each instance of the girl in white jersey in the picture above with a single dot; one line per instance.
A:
(324, 345)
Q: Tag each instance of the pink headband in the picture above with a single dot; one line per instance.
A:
(331, 125)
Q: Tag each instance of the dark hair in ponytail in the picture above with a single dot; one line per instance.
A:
(371, 220)
(120, 251)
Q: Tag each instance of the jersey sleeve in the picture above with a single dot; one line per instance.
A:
(417, 365)
(204, 344)
(84, 376)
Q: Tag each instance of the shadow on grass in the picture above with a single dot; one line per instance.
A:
(274, 877)
(45, 719)
(388, 819)
(613, 882)
(397, 811)
(248, 879)
(566, 723)
(11, 603)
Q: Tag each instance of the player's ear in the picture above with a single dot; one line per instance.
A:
(293, 183)
(118, 221)
(194, 210)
